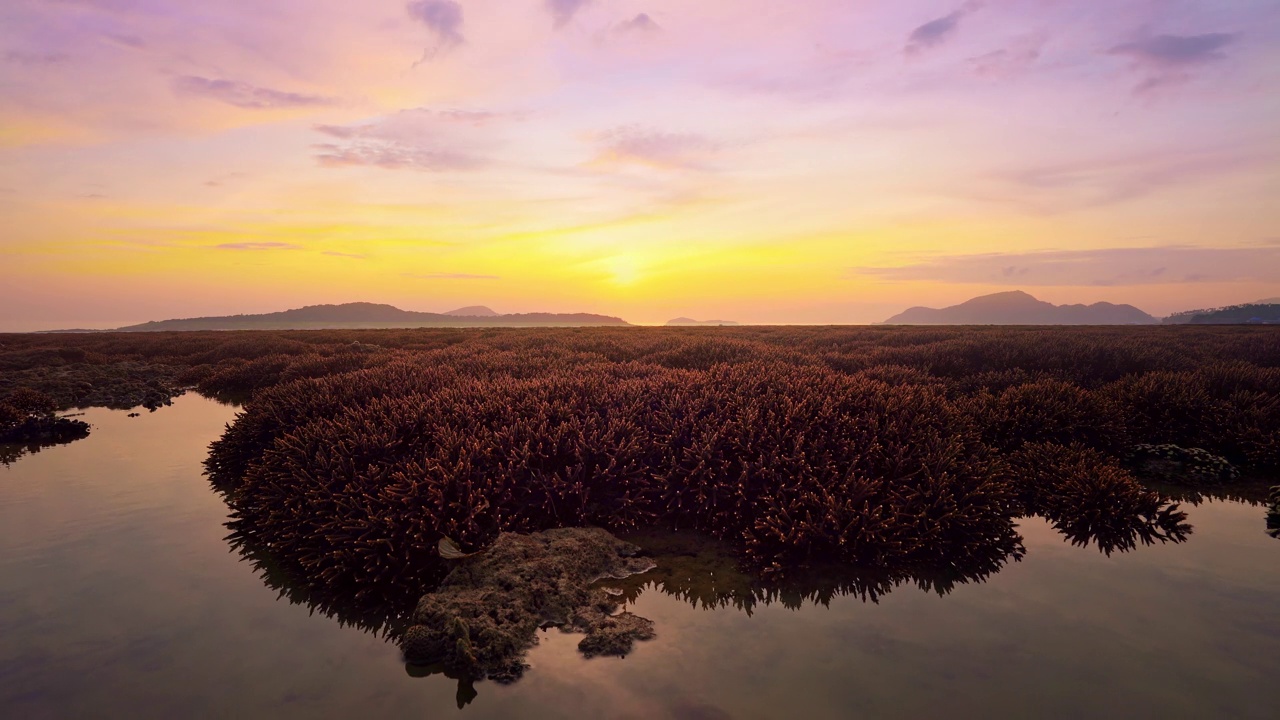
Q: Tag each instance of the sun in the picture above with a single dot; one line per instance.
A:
(624, 270)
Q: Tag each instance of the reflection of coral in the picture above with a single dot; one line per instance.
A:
(28, 423)
(1089, 498)
(1273, 512)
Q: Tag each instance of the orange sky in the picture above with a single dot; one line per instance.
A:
(819, 162)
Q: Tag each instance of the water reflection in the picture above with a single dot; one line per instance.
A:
(118, 598)
(59, 431)
(705, 574)
(1254, 492)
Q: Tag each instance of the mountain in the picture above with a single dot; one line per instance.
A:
(473, 311)
(372, 315)
(1019, 308)
(685, 322)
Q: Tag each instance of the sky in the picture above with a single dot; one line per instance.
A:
(824, 161)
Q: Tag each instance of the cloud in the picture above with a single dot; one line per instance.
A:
(1168, 59)
(1172, 264)
(381, 129)
(1176, 50)
(416, 139)
(562, 11)
(449, 276)
(35, 59)
(335, 253)
(244, 95)
(258, 246)
(444, 19)
(937, 31)
(393, 157)
(1021, 54)
(636, 144)
(223, 179)
(641, 23)
(129, 41)
(1055, 187)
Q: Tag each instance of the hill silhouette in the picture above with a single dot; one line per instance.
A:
(473, 311)
(1019, 308)
(687, 322)
(374, 315)
(1264, 312)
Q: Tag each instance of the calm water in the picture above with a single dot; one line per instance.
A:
(119, 598)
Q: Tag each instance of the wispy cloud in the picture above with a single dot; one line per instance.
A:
(562, 11)
(635, 144)
(393, 157)
(450, 276)
(937, 31)
(335, 253)
(130, 41)
(415, 139)
(444, 19)
(1177, 50)
(1168, 59)
(224, 179)
(1068, 185)
(245, 95)
(33, 59)
(1108, 267)
(258, 246)
(1021, 54)
(641, 23)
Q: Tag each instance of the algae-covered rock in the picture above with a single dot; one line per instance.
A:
(1184, 466)
(486, 613)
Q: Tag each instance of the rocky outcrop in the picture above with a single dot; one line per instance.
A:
(486, 613)
(1182, 466)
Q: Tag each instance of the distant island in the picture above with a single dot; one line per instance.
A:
(688, 322)
(1263, 312)
(373, 315)
(1019, 308)
(473, 311)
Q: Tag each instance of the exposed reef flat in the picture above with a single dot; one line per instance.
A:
(486, 613)
(78, 382)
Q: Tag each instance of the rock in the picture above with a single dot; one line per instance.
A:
(486, 613)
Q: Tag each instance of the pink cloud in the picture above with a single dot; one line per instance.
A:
(244, 95)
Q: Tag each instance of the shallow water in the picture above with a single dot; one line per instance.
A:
(120, 598)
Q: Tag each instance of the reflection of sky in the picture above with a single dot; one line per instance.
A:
(1176, 631)
(118, 596)
(833, 160)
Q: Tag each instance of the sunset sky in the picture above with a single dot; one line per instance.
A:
(819, 161)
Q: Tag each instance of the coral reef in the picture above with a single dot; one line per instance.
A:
(28, 422)
(908, 453)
